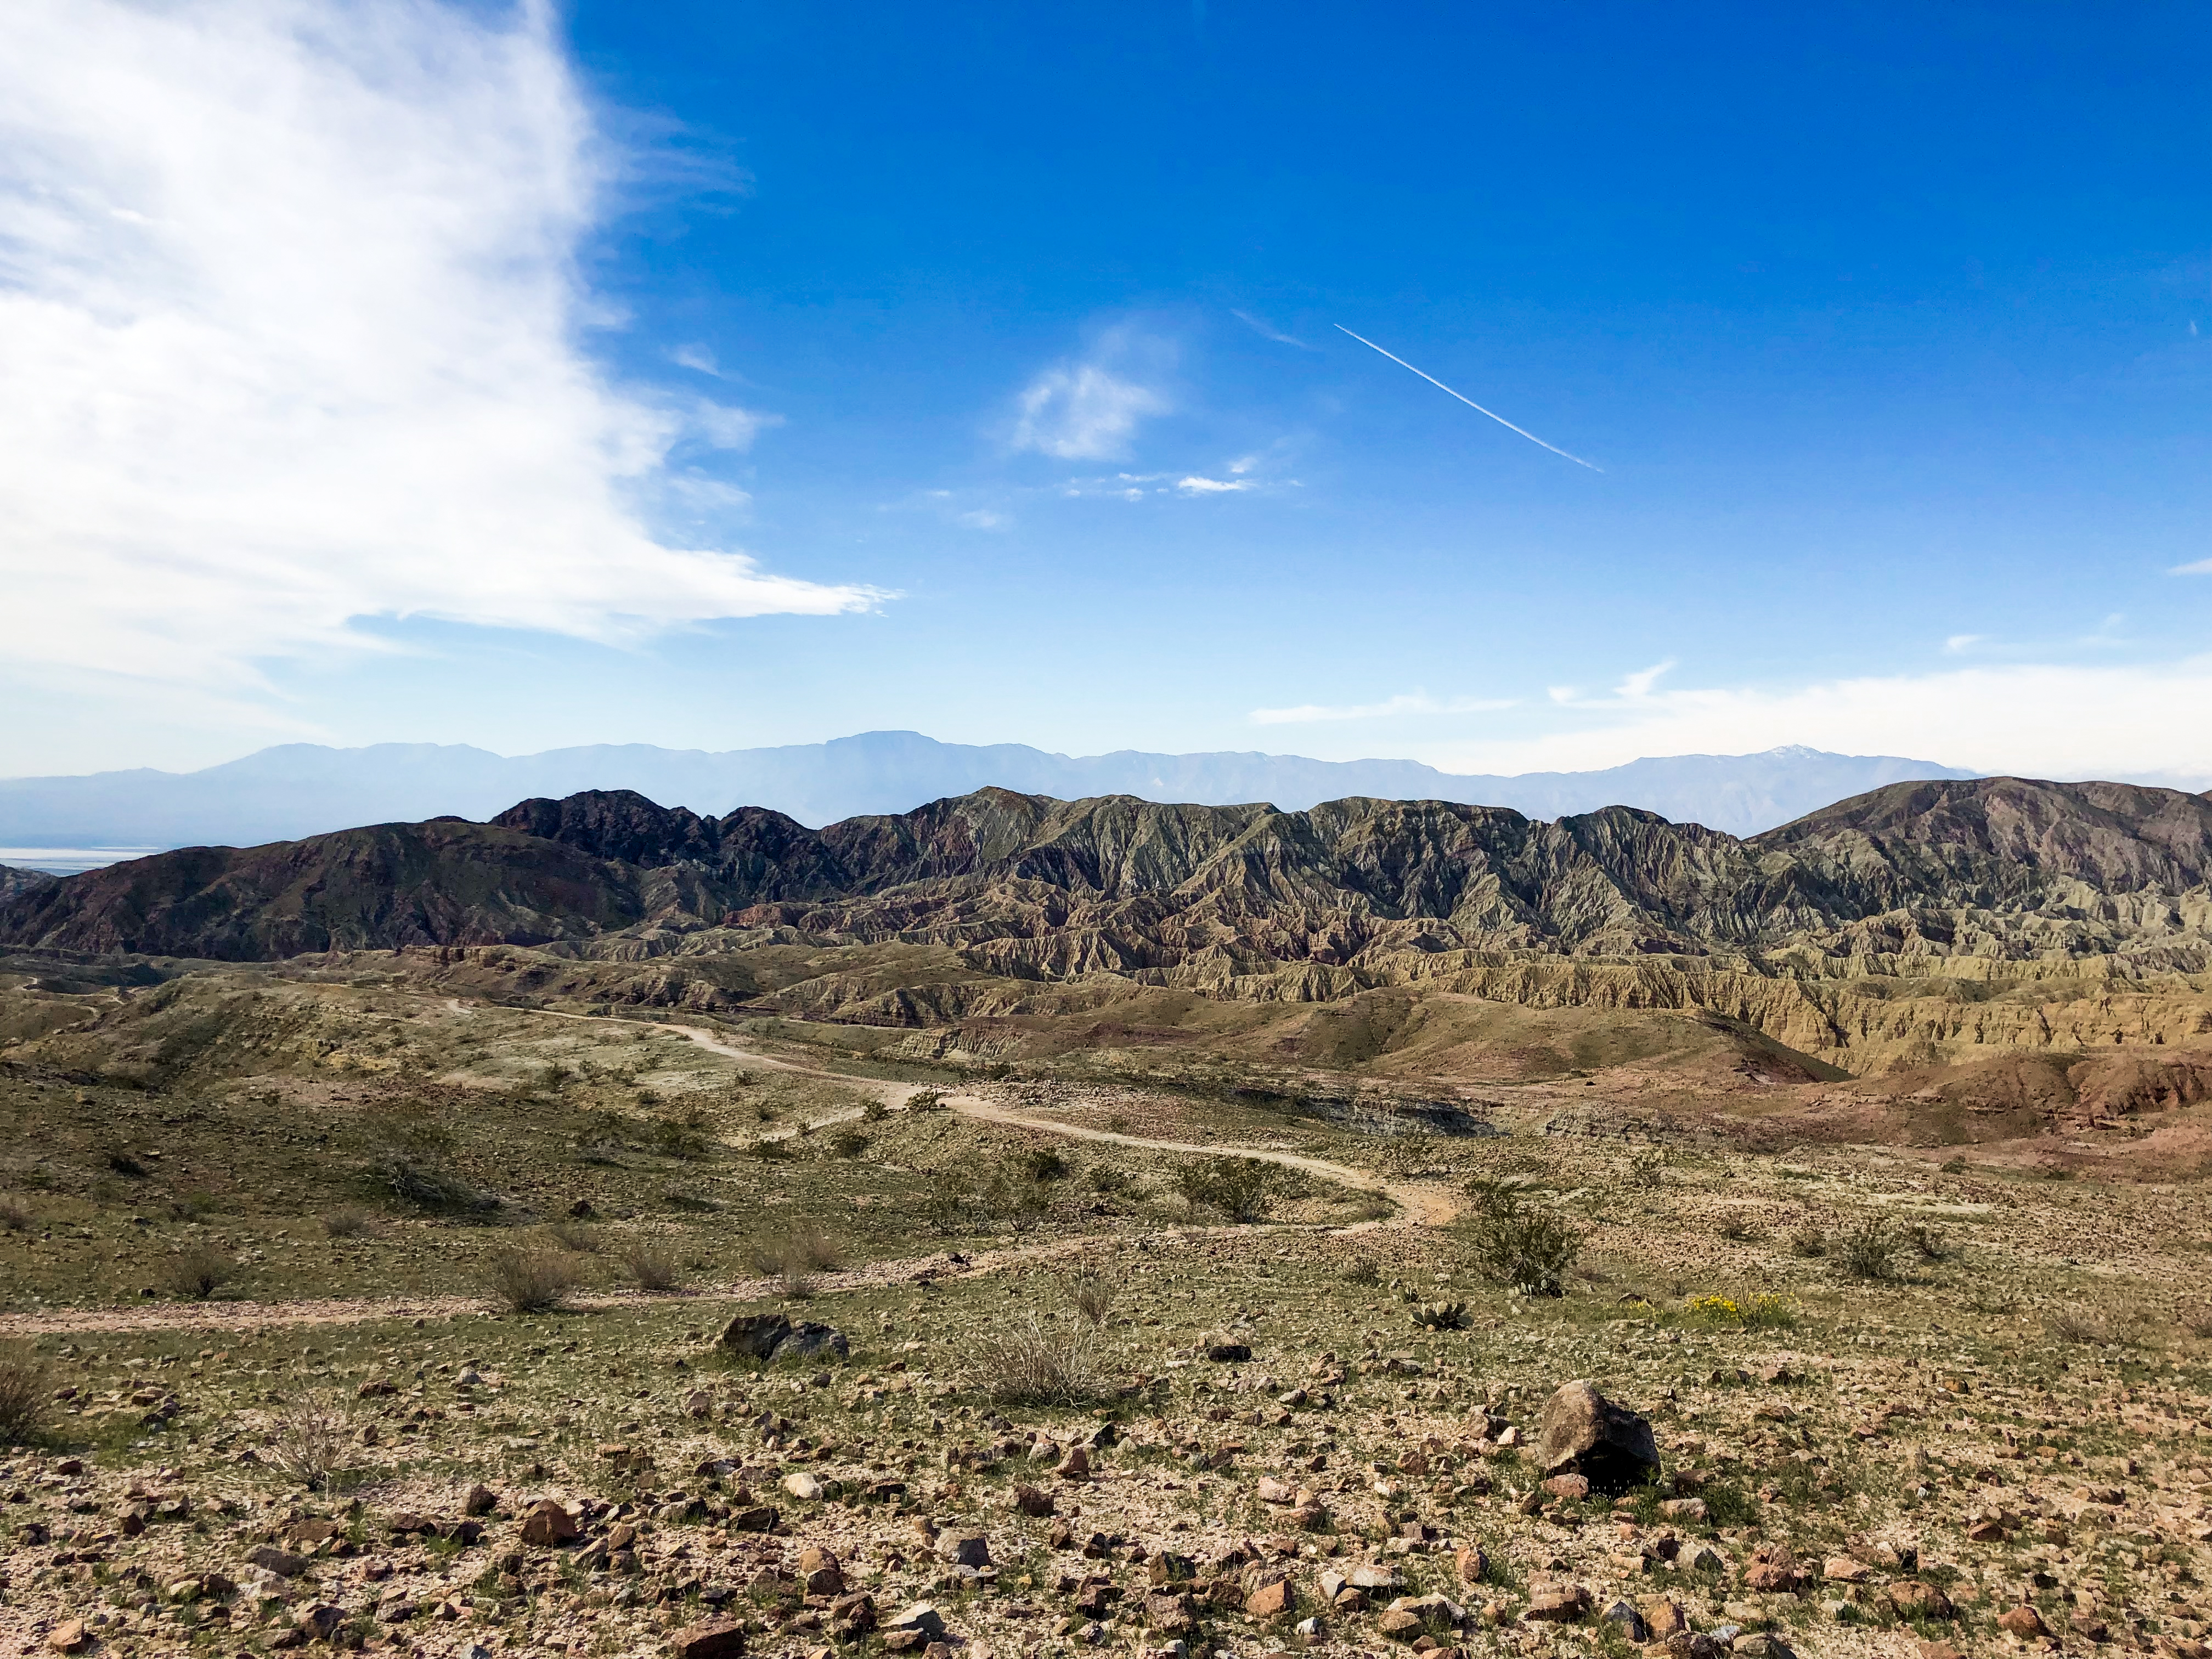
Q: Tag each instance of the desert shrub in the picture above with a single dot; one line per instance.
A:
(575, 1235)
(1010, 1197)
(874, 1112)
(1092, 1294)
(1111, 1181)
(349, 1223)
(691, 1203)
(27, 1387)
(1737, 1228)
(191, 1207)
(195, 1272)
(407, 1124)
(1363, 1270)
(1242, 1188)
(2093, 1325)
(123, 1162)
(1867, 1249)
(1647, 1171)
(927, 1100)
(1035, 1361)
(308, 1444)
(1525, 1249)
(847, 1143)
(2195, 1318)
(793, 1257)
(15, 1215)
(1762, 1312)
(430, 1187)
(1926, 1243)
(1042, 1163)
(769, 1150)
(653, 1264)
(1808, 1241)
(681, 1138)
(1953, 1166)
(1440, 1316)
(528, 1278)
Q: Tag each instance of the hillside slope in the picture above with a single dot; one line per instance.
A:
(1998, 869)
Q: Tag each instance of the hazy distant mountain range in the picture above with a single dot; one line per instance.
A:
(302, 789)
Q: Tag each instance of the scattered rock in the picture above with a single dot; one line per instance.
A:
(282, 1563)
(1558, 1604)
(1229, 1353)
(755, 1335)
(548, 1524)
(481, 1500)
(1844, 1570)
(717, 1640)
(1690, 1510)
(807, 1340)
(1568, 1485)
(963, 1549)
(1915, 1600)
(1469, 1564)
(1626, 1618)
(1271, 1600)
(921, 1619)
(1584, 1433)
(1032, 1502)
(2024, 1622)
(802, 1485)
(70, 1638)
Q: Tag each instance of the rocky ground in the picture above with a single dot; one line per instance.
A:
(1896, 1404)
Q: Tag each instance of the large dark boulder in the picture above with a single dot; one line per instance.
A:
(1584, 1433)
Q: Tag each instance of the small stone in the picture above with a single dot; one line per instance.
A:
(70, 1638)
(1663, 1618)
(1560, 1604)
(717, 1640)
(2024, 1622)
(1229, 1353)
(481, 1500)
(1844, 1570)
(317, 1620)
(1269, 1600)
(282, 1563)
(1469, 1564)
(1690, 1510)
(1272, 1491)
(1032, 1502)
(802, 1485)
(1568, 1485)
(921, 1619)
(1629, 1621)
(963, 1549)
(1915, 1600)
(548, 1524)
(756, 1519)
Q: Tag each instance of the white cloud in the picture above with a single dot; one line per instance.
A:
(1958, 644)
(1638, 684)
(1418, 703)
(289, 336)
(2200, 567)
(1089, 410)
(696, 357)
(2037, 720)
(723, 427)
(1198, 486)
(983, 519)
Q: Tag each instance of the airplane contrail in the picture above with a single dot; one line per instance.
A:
(1468, 401)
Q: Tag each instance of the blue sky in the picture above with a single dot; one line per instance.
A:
(457, 386)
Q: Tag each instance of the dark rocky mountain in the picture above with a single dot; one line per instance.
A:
(1033, 887)
(14, 881)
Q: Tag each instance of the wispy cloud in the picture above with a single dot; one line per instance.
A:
(696, 357)
(1268, 331)
(1410, 703)
(290, 324)
(1470, 402)
(1089, 410)
(2200, 567)
(1960, 644)
(1639, 684)
(1195, 485)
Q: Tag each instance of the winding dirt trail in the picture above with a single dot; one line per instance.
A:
(1418, 1206)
